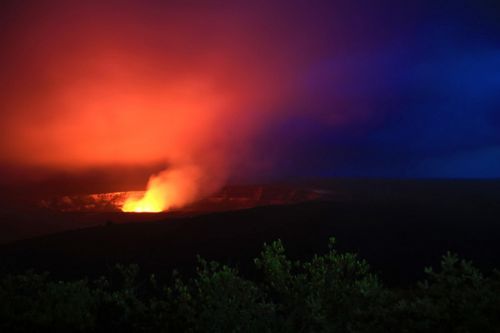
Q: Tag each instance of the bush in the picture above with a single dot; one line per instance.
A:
(333, 292)
(31, 302)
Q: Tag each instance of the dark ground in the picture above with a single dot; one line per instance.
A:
(399, 227)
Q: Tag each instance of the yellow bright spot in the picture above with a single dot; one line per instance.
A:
(150, 203)
(166, 190)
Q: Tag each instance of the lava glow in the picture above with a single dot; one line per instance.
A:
(155, 200)
(150, 203)
(171, 188)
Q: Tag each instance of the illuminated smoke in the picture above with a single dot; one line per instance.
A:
(105, 84)
(171, 189)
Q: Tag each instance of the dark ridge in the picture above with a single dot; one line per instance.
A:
(397, 239)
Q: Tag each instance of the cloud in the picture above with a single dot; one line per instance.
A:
(245, 89)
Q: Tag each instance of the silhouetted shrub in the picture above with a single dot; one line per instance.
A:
(31, 302)
(333, 292)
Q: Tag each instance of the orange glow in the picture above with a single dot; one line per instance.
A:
(150, 203)
(170, 189)
(157, 198)
(87, 86)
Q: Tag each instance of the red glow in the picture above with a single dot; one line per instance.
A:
(96, 83)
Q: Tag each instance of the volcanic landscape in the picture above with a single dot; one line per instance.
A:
(398, 225)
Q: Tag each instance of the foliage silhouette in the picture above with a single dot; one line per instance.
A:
(332, 292)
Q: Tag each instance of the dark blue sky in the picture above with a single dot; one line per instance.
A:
(417, 91)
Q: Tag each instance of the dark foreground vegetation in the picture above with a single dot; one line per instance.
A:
(333, 292)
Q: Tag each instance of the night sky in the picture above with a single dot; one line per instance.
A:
(250, 90)
(411, 91)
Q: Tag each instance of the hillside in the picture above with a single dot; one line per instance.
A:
(397, 238)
